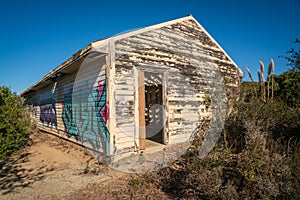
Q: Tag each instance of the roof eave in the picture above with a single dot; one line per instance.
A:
(76, 56)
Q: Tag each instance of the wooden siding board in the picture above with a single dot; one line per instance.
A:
(198, 55)
(182, 48)
(87, 83)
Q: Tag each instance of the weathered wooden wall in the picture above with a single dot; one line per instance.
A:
(186, 62)
(73, 105)
(192, 60)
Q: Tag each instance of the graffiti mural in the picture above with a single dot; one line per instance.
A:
(48, 115)
(47, 102)
(85, 115)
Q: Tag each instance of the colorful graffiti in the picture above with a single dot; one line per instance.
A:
(48, 115)
(85, 114)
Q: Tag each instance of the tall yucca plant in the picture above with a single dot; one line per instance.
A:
(272, 75)
(251, 78)
(271, 78)
(249, 74)
(262, 81)
(260, 73)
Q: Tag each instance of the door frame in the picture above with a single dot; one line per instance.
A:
(140, 124)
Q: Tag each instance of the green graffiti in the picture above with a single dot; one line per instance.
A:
(84, 116)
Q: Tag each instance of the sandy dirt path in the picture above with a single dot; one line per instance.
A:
(50, 168)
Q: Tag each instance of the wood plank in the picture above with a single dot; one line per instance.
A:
(166, 108)
(142, 122)
(136, 108)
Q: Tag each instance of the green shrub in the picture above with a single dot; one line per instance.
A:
(246, 164)
(289, 87)
(14, 125)
(261, 134)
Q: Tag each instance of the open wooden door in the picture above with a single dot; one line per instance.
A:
(141, 102)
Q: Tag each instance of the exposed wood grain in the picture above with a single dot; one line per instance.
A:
(142, 123)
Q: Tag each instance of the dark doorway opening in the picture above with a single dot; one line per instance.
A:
(154, 107)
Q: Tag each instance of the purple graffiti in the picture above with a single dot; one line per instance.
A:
(48, 115)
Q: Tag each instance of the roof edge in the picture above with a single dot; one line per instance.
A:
(147, 28)
(159, 25)
(219, 46)
(79, 54)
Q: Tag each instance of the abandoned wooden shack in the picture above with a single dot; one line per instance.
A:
(151, 84)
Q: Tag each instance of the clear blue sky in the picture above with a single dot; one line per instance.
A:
(38, 35)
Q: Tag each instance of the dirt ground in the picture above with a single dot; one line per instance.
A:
(52, 168)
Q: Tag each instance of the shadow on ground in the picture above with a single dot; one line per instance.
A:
(14, 174)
